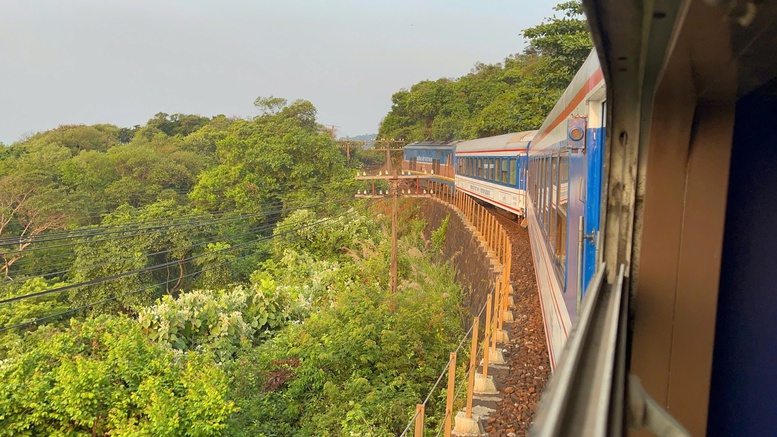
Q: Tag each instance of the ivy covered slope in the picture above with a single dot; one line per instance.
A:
(496, 98)
(312, 344)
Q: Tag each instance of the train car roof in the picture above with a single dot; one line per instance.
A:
(432, 145)
(516, 141)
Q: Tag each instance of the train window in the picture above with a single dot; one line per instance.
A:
(561, 219)
(543, 190)
(498, 163)
(512, 171)
(553, 198)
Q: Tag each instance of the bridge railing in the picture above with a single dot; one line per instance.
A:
(496, 244)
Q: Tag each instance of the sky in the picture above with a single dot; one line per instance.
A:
(122, 61)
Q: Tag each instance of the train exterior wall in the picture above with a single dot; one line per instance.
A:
(563, 195)
(507, 198)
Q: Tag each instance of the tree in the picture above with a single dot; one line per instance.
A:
(563, 43)
(270, 105)
(271, 159)
(499, 98)
(138, 248)
(26, 211)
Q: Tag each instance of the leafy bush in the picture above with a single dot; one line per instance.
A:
(221, 322)
(359, 365)
(102, 376)
(438, 235)
(323, 237)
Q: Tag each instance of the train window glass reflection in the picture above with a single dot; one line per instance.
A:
(562, 213)
(513, 166)
(553, 186)
(498, 169)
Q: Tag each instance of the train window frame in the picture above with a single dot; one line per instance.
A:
(553, 200)
(543, 190)
(512, 170)
(562, 219)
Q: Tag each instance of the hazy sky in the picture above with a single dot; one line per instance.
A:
(121, 62)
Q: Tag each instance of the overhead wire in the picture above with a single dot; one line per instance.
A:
(117, 276)
(92, 231)
(114, 298)
(213, 239)
(136, 234)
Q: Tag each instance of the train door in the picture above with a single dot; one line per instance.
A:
(594, 156)
(578, 168)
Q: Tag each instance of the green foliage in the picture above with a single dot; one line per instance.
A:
(438, 235)
(215, 264)
(562, 43)
(494, 99)
(102, 377)
(30, 309)
(139, 246)
(359, 364)
(280, 156)
(221, 322)
(325, 237)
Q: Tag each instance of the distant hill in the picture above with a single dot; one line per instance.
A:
(365, 137)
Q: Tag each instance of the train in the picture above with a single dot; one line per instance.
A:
(529, 176)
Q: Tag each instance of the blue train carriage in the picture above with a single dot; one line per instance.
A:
(493, 170)
(564, 189)
(431, 158)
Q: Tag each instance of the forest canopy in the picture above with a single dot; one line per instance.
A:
(494, 99)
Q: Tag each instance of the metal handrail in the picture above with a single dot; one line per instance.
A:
(584, 395)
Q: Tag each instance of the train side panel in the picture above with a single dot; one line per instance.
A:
(564, 193)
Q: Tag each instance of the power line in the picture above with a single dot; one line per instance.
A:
(74, 233)
(114, 298)
(219, 238)
(134, 272)
(168, 221)
(157, 228)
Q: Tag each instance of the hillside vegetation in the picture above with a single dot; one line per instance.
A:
(494, 99)
(207, 276)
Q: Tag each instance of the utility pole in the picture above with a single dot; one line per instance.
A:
(348, 145)
(332, 129)
(394, 179)
(393, 268)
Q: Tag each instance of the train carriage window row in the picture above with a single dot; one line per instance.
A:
(549, 185)
(503, 171)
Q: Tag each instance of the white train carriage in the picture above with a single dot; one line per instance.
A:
(493, 169)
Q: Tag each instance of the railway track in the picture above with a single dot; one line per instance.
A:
(526, 353)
